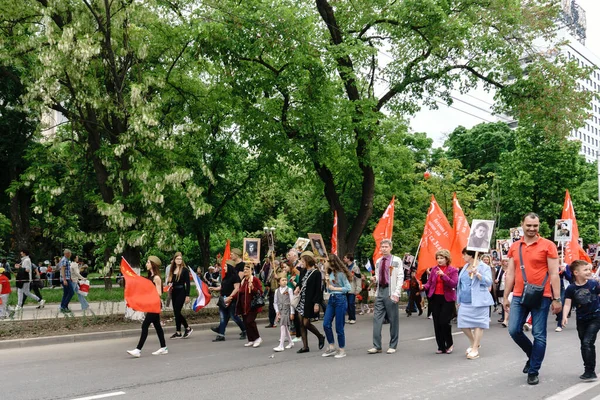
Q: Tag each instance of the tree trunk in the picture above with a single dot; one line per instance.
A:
(19, 214)
(203, 238)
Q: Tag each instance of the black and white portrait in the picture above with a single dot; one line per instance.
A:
(251, 250)
(317, 244)
(563, 229)
(481, 233)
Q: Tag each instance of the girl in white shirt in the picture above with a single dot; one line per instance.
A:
(284, 297)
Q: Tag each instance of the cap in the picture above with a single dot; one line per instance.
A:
(236, 251)
(155, 260)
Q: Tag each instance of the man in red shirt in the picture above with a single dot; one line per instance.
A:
(540, 263)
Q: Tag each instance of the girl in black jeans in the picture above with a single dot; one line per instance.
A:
(179, 276)
(152, 265)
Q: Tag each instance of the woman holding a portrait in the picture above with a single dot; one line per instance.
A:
(250, 289)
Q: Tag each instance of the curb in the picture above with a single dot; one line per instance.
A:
(92, 336)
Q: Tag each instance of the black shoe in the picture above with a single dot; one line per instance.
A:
(526, 367)
(321, 342)
(501, 320)
(215, 329)
(588, 376)
(176, 335)
(408, 314)
(270, 326)
(420, 313)
(303, 350)
(243, 335)
(219, 338)
(533, 379)
(187, 333)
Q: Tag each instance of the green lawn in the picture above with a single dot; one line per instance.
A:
(55, 295)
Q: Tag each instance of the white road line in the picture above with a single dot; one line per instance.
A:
(100, 396)
(573, 391)
(433, 337)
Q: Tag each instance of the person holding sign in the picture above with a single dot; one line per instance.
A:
(474, 300)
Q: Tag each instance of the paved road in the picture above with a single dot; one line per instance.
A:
(198, 368)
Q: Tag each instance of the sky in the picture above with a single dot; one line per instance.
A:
(471, 109)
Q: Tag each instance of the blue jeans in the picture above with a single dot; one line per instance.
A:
(225, 314)
(336, 307)
(587, 331)
(67, 295)
(82, 299)
(539, 320)
(351, 297)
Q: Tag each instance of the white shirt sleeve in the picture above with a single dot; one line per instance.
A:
(292, 309)
(275, 305)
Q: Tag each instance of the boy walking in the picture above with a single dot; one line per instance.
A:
(583, 293)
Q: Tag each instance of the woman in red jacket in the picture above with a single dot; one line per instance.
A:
(441, 289)
(249, 288)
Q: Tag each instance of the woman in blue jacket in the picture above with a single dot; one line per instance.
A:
(474, 300)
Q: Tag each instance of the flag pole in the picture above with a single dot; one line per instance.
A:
(417, 254)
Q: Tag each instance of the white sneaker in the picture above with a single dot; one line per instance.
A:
(17, 308)
(41, 303)
(289, 346)
(340, 354)
(296, 340)
(135, 353)
(278, 348)
(249, 344)
(161, 351)
(558, 329)
(526, 326)
(329, 352)
(351, 321)
(257, 342)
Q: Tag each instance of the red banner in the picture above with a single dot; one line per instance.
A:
(384, 228)
(334, 234)
(460, 232)
(437, 235)
(140, 293)
(226, 256)
(572, 250)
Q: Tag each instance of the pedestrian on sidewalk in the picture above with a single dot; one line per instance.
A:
(153, 266)
(4, 293)
(179, 276)
(250, 288)
(338, 285)
(65, 276)
(26, 277)
(583, 293)
(76, 277)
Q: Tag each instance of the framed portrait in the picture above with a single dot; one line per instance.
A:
(503, 245)
(591, 250)
(516, 233)
(251, 250)
(301, 244)
(481, 234)
(563, 229)
(317, 244)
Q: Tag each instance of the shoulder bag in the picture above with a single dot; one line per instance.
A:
(532, 294)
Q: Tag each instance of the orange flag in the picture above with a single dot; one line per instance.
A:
(334, 237)
(460, 232)
(384, 228)
(572, 250)
(226, 256)
(437, 235)
(140, 293)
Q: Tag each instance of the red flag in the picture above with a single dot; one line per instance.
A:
(140, 293)
(572, 250)
(384, 228)
(334, 236)
(460, 232)
(437, 235)
(226, 256)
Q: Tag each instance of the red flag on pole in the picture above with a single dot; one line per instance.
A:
(437, 235)
(140, 293)
(384, 228)
(226, 256)
(572, 250)
(334, 234)
(460, 232)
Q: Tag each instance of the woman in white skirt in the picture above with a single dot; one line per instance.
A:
(474, 300)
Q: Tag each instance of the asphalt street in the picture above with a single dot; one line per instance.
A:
(198, 368)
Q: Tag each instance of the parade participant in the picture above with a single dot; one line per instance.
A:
(583, 294)
(534, 259)
(293, 261)
(338, 285)
(311, 295)
(388, 278)
(230, 286)
(355, 282)
(236, 257)
(284, 296)
(474, 301)
(441, 290)
(501, 282)
(273, 283)
(249, 288)
(4, 293)
(153, 266)
(179, 277)
(415, 294)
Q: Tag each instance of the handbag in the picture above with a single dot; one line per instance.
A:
(257, 300)
(532, 294)
(84, 287)
(295, 301)
(221, 302)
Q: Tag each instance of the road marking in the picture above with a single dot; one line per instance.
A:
(100, 396)
(573, 391)
(433, 337)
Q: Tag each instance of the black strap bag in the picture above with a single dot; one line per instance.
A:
(532, 294)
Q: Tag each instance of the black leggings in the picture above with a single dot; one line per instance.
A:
(308, 326)
(154, 319)
(178, 302)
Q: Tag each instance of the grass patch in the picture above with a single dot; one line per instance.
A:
(55, 295)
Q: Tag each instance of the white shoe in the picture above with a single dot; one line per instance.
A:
(161, 351)
(41, 303)
(289, 346)
(17, 308)
(340, 354)
(296, 340)
(558, 329)
(278, 348)
(135, 353)
(351, 321)
(249, 344)
(329, 352)
(257, 342)
(391, 351)
(526, 326)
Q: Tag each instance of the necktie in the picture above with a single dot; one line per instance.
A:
(383, 272)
